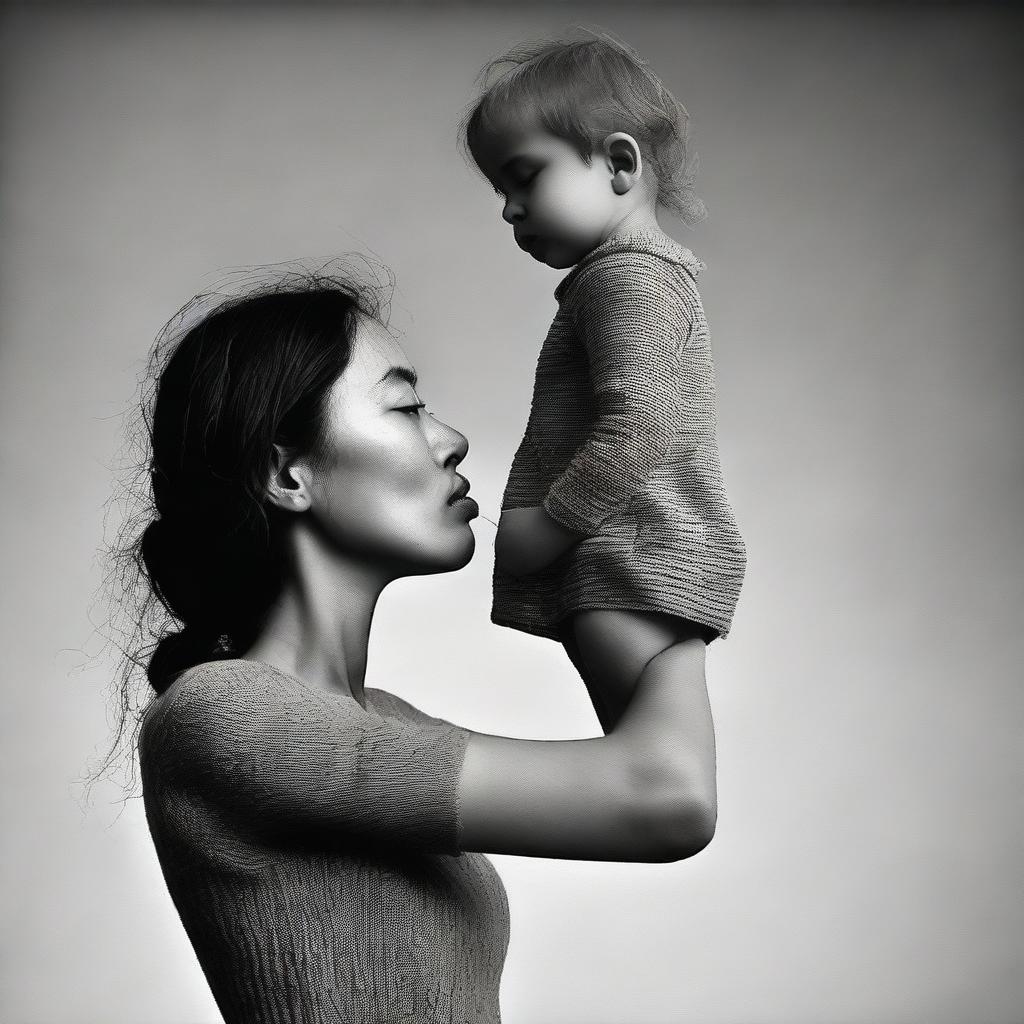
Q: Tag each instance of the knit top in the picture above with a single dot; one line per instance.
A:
(311, 848)
(621, 446)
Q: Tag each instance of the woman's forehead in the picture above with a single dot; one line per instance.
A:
(376, 355)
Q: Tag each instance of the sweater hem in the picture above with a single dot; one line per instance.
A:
(550, 632)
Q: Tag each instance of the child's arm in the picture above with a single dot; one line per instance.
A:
(634, 317)
(529, 539)
(633, 322)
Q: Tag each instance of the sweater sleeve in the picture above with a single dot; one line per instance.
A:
(524, 488)
(289, 760)
(632, 318)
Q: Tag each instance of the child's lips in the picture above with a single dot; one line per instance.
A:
(526, 242)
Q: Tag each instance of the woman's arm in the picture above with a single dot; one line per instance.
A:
(645, 792)
(286, 761)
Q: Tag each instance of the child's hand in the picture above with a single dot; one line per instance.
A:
(529, 540)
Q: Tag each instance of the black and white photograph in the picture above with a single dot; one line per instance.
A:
(512, 512)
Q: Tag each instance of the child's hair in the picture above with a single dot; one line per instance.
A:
(582, 90)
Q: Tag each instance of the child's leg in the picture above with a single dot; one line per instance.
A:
(572, 648)
(611, 649)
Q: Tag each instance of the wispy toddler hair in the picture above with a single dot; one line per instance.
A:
(582, 90)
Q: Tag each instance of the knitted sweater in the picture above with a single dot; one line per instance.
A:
(621, 446)
(311, 849)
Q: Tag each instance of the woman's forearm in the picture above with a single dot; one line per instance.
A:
(669, 732)
(644, 792)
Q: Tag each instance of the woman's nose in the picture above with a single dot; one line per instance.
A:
(452, 445)
(513, 211)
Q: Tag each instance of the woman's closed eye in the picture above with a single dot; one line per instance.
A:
(411, 408)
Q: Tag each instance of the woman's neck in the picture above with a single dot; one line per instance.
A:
(318, 630)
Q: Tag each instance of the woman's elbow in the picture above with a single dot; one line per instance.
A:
(677, 816)
(681, 830)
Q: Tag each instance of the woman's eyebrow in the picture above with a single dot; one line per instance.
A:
(401, 373)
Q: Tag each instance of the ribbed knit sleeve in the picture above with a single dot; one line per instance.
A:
(525, 489)
(631, 315)
(287, 759)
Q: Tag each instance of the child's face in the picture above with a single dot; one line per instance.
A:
(560, 207)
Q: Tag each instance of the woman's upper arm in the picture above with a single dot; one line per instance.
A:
(291, 760)
(607, 798)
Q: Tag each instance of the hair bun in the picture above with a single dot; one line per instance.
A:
(180, 651)
(173, 556)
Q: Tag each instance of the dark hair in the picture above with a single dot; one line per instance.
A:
(580, 91)
(197, 569)
(198, 558)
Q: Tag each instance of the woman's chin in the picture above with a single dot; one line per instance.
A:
(465, 556)
(455, 557)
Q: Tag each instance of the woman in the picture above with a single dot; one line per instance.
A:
(323, 841)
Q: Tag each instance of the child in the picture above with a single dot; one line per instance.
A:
(616, 536)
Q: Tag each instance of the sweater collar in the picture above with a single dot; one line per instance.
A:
(652, 243)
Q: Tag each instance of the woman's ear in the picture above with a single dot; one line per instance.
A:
(622, 155)
(287, 483)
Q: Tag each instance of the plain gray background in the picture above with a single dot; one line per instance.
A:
(861, 166)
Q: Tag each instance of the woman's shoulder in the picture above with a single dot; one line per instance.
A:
(216, 708)
(200, 700)
(218, 697)
(387, 703)
(203, 688)
(216, 702)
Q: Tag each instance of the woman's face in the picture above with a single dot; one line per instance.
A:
(382, 486)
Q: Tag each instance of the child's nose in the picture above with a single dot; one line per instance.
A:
(513, 211)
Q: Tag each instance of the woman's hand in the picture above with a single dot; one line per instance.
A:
(530, 540)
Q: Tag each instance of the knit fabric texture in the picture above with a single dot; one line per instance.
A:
(621, 446)
(311, 849)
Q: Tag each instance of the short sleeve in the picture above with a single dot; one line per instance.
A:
(291, 760)
(632, 316)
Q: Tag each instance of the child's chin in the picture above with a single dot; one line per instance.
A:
(556, 260)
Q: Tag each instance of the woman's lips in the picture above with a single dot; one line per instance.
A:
(459, 500)
(461, 489)
(466, 505)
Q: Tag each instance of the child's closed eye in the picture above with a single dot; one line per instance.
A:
(521, 180)
(526, 178)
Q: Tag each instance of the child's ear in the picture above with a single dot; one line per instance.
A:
(622, 155)
(287, 483)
